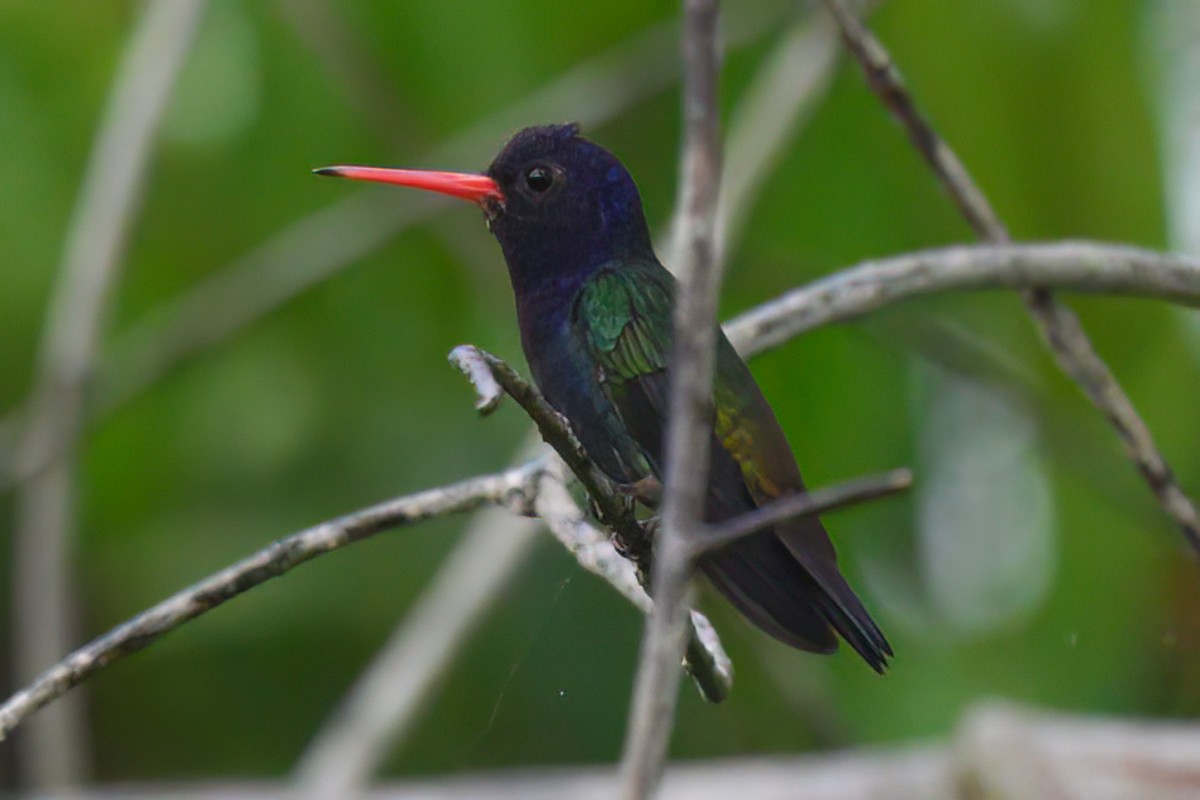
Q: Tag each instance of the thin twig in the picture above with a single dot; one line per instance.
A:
(708, 667)
(471, 363)
(512, 488)
(108, 201)
(806, 504)
(652, 712)
(611, 506)
(381, 708)
(884, 79)
(592, 547)
(1058, 325)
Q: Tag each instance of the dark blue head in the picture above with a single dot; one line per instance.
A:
(569, 206)
(559, 205)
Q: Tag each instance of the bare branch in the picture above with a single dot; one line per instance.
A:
(705, 659)
(652, 712)
(884, 79)
(1087, 267)
(591, 547)
(380, 709)
(806, 504)
(1058, 325)
(472, 363)
(612, 504)
(108, 201)
(517, 489)
(1077, 357)
(612, 508)
(512, 488)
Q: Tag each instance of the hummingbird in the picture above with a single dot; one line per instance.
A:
(594, 305)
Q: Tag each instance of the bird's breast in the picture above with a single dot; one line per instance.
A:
(570, 382)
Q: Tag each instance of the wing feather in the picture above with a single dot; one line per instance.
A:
(785, 580)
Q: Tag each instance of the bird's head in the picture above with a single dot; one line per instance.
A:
(559, 204)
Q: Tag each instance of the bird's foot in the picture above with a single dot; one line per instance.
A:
(647, 491)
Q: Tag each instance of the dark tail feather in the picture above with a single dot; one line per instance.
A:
(856, 627)
(769, 588)
(765, 581)
(808, 543)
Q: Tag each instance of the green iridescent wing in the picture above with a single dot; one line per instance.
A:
(786, 580)
(625, 314)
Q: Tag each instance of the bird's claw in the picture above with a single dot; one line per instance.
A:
(647, 491)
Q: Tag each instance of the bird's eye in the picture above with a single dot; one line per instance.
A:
(539, 179)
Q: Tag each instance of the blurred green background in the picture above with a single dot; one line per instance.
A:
(1077, 592)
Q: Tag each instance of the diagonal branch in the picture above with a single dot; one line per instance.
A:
(1058, 325)
(512, 488)
(884, 79)
(707, 664)
(518, 489)
(805, 504)
(611, 507)
(652, 712)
